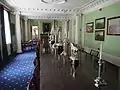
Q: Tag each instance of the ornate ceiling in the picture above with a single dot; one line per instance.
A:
(35, 9)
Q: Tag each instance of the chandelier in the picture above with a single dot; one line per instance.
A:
(54, 1)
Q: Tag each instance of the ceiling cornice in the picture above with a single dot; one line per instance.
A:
(86, 8)
(95, 5)
(46, 10)
(51, 17)
(6, 5)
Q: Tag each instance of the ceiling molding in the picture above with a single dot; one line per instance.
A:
(46, 10)
(61, 12)
(47, 15)
(60, 9)
(96, 5)
(2, 2)
(51, 17)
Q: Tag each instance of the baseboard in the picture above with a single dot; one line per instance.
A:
(107, 57)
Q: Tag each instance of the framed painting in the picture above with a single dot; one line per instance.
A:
(99, 35)
(100, 23)
(89, 27)
(113, 26)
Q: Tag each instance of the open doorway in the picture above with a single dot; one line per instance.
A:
(34, 32)
(46, 27)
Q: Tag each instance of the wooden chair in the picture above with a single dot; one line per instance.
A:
(74, 60)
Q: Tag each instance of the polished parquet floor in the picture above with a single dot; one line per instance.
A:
(54, 75)
(57, 76)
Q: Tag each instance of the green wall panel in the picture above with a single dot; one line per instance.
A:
(111, 45)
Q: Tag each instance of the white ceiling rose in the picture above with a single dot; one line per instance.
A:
(54, 1)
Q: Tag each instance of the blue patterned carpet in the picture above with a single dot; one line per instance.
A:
(16, 75)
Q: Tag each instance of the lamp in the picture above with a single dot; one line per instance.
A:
(54, 1)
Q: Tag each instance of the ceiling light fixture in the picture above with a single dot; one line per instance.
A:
(54, 1)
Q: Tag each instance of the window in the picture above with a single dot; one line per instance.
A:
(7, 28)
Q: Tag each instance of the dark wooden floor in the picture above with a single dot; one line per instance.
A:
(54, 75)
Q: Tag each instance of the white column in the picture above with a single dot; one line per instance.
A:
(29, 30)
(52, 29)
(83, 30)
(22, 31)
(39, 28)
(73, 31)
(77, 31)
(62, 30)
(26, 29)
(54, 25)
(18, 32)
(70, 30)
(65, 30)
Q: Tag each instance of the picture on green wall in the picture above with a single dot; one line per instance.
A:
(113, 26)
(89, 27)
(100, 23)
(99, 35)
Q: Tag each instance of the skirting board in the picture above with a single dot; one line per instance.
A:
(107, 57)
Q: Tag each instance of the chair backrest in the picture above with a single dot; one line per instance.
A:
(94, 53)
(74, 50)
(73, 47)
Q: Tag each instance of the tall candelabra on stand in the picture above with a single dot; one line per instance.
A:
(99, 81)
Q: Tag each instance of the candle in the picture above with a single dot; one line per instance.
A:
(100, 50)
(55, 39)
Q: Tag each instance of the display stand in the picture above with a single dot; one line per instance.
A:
(99, 81)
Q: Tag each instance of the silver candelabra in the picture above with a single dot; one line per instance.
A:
(99, 81)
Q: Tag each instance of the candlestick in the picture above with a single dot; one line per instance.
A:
(99, 81)
(101, 46)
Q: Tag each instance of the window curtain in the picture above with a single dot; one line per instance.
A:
(11, 31)
(0, 45)
(0, 57)
(4, 46)
(0, 41)
(13, 34)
